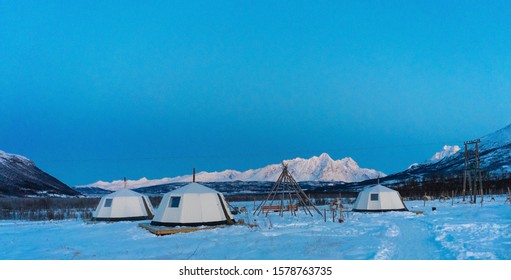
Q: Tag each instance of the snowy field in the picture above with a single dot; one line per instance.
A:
(459, 232)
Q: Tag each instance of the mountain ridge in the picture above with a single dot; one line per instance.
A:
(20, 177)
(316, 168)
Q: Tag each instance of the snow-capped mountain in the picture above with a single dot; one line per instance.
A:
(322, 168)
(497, 139)
(19, 176)
(494, 152)
(447, 151)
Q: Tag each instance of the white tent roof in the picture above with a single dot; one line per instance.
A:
(192, 205)
(379, 198)
(124, 192)
(378, 188)
(124, 205)
(194, 188)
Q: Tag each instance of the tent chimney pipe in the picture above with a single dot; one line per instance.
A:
(124, 182)
(194, 174)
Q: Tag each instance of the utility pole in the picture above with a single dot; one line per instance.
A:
(472, 167)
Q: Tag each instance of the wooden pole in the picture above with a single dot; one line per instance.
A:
(475, 189)
(324, 210)
(482, 196)
(465, 173)
(282, 204)
(479, 175)
(470, 189)
(452, 196)
(291, 206)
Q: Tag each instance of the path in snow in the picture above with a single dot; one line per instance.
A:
(410, 238)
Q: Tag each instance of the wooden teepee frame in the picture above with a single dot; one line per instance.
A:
(286, 189)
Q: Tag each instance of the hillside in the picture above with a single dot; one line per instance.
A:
(20, 177)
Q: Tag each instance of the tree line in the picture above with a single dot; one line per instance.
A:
(439, 186)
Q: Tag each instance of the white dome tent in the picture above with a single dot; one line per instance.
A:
(193, 205)
(123, 205)
(378, 199)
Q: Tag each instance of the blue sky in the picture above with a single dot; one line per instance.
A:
(101, 90)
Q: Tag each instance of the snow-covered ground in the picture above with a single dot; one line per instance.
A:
(462, 231)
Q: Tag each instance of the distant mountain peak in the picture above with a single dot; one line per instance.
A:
(325, 156)
(446, 151)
